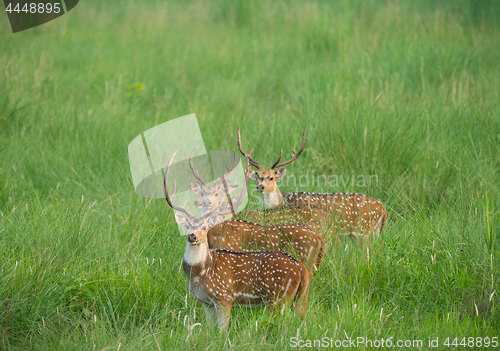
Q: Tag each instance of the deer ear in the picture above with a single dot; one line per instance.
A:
(253, 175)
(198, 203)
(223, 184)
(212, 220)
(280, 173)
(195, 187)
(180, 219)
(228, 186)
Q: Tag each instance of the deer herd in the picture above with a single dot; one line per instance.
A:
(268, 256)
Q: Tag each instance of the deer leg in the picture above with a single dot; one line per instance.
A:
(273, 298)
(285, 295)
(285, 298)
(223, 314)
(319, 253)
(333, 231)
(279, 306)
(310, 260)
(366, 245)
(272, 307)
(301, 294)
(379, 225)
(210, 314)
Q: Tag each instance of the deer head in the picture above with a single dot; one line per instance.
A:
(197, 228)
(266, 178)
(211, 196)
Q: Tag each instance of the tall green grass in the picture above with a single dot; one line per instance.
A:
(407, 91)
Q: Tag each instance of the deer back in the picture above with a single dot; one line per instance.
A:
(348, 213)
(297, 239)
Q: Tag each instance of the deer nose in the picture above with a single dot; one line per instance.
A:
(208, 203)
(260, 187)
(192, 238)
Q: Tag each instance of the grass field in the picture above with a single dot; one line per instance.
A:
(405, 90)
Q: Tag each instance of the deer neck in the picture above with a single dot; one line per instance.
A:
(224, 207)
(196, 264)
(271, 200)
(196, 260)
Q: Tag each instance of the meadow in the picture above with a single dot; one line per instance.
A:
(407, 91)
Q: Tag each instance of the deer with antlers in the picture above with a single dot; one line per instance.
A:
(213, 195)
(220, 279)
(284, 215)
(298, 239)
(283, 233)
(354, 214)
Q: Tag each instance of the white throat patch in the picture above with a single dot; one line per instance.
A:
(195, 254)
(271, 200)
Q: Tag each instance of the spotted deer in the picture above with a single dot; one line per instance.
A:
(213, 195)
(298, 239)
(354, 214)
(286, 215)
(220, 278)
(301, 240)
(314, 218)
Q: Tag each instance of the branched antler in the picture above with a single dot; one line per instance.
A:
(234, 205)
(167, 197)
(249, 158)
(277, 164)
(195, 170)
(180, 208)
(295, 154)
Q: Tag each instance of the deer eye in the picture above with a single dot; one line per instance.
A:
(204, 228)
(201, 194)
(217, 194)
(271, 178)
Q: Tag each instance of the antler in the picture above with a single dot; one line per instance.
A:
(182, 209)
(232, 168)
(281, 154)
(167, 197)
(249, 158)
(235, 205)
(195, 170)
(295, 154)
(227, 175)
